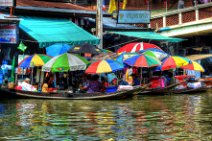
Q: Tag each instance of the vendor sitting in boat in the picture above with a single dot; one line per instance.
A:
(84, 82)
(26, 86)
(94, 85)
(45, 87)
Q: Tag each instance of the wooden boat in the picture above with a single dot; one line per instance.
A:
(207, 81)
(65, 95)
(191, 90)
(159, 91)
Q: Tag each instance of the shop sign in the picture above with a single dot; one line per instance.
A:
(6, 3)
(133, 16)
(8, 33)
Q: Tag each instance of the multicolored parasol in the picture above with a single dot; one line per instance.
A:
(157, 53)
(137, 47)
(173, 62)
(142, 60)
(194, 66)
(104, 66)
(125, 56)
(34, 61)
(65, 62)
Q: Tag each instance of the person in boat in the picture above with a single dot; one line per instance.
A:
(83, 86)
(26, 86)
(123, 82)
(64, 82)
(5, 83)
(169, 78)
(193, 83)
(94, 85)
(45, 87)
(136, 80)
(104, 82)
(129, 80)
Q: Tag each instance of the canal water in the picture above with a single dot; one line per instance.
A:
(142, 118)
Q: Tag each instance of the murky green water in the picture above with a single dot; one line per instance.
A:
(175, 117)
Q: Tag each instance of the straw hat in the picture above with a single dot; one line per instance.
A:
(27, 80)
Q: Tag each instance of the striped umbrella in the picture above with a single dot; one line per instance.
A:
(65, 62)
(137, 47)
(104, 66)
(34, 60)
(125, 56)
(157, 53)
(142, 60)
(194, 66)
(173, 62)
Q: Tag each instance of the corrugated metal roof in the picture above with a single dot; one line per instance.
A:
(50, 4)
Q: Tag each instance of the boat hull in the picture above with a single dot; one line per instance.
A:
(159, 91)
(11, 93)
(191, 91)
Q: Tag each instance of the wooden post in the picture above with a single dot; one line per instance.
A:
(99, 26)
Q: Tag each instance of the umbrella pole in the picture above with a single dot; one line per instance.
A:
(39, 78)
(141, 77)
(67, 80)
(23, 69)
(32, 75)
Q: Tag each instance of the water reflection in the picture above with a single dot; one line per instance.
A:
(175, 117)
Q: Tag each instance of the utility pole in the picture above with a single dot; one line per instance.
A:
(99, 26)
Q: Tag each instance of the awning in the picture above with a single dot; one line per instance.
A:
(147, 35)
(47, 31)
(199, 56)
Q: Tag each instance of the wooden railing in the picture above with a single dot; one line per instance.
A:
(181, 16)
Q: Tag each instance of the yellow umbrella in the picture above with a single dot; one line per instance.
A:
(194, 66)
(173, 62)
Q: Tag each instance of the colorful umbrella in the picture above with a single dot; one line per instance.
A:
(103, 56)
(173, 62)
(34, 60)
(157, 53)
(142, 60)
(125, 56)
(57, 49)
(104, 66)
(137, 47)
(65, 62)
(193, 66)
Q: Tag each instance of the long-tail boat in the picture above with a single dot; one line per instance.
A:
(66, 95)
(160, 91)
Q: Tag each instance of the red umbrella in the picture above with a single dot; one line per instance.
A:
(136, 47)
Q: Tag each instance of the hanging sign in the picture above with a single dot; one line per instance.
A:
(8, 33)
(133, 16)
(8, 3)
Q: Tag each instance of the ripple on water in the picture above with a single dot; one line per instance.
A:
(177, 117)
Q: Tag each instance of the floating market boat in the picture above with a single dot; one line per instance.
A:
(65, 95)
(191, 90)
(159, 91)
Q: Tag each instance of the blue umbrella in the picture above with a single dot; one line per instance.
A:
(57, 49)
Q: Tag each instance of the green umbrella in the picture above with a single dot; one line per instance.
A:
(65, 62)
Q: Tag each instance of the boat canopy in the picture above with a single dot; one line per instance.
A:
(148, 35)
(48, 31)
